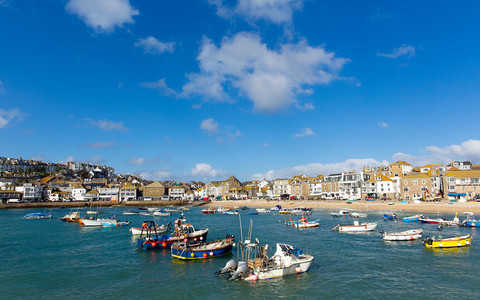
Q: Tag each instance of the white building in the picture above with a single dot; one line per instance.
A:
(176, 193)
(108, 194)
(30, 192)
(78, 193)
(281, 187)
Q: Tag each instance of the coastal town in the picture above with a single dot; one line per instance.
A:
(37, 181)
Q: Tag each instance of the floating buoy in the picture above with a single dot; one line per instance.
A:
(164, 245)
(201, 238)
(192, 255)
(204, 254)
(211, 253)
(154, 244)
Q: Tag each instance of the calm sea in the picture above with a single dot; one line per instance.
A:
(49, 259)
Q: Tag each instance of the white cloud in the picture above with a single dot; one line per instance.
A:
(314, 169)
(100, 145)
(160, 85)
(107, 125)
(103, 15)
(382, 124)
(404, 50)
(306, 106)
(305, 132)
(204, 170)
(7, 116)
(275, 11)
(209, 125)
(152, 45)
(137, 161)
(271, 79)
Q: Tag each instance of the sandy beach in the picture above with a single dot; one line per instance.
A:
(439, 207)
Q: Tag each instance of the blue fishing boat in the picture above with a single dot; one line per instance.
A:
(187, 251)
(244, 208)
(390, 216)
(37, 216)
(253, 213)
(412, 219)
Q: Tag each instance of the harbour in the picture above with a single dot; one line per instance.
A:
(60, 259)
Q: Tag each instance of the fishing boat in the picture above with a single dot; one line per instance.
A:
(262, 210)
(102, 222)
(285, 211)
(412, 219)
(452, 242)
(171, 209)
(186, 251)
(454, 222)
(37, 216)
(356, 227)
(307, 224)
(150, 238)
(244, 208)
(91, 212)
(391, 216)
(408, 235)
(358, 215)
(431, 221)
(230, 212)
(131, 213)
(72, 217)
(208, 211)
(276, 208)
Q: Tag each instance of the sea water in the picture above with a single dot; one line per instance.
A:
(49, 259)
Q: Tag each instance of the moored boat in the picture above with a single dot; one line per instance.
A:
(452, 242)
(358, 215)
(230, 212)
(185, 251)
(391, 216)
(72, 217)
(307, 224)
(161, 214)
(151, 239)
(285, 211)
(408, 235)
(412, 219)
(208, 211)
(37, 216)
(356, 227)
(431, 221)
(262, 210)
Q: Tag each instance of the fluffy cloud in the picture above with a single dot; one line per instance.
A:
(404, 50)
(271, 79)
(160, 85)
(107, 125)
(138, 161)
(204, 170)
(314, 169)
(104, 15)
(469, 150)
(382, 124)
(7, 116)
(209, 125)
(305, 132)
(275, 11)
(152, 45)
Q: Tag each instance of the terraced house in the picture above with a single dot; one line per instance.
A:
(463, 185)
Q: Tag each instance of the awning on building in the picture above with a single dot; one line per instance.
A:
(457, 194)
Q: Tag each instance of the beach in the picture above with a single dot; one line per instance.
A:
(424, 207)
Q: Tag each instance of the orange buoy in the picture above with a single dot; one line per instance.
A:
(164, 245)
(204, 254)
(154, 244)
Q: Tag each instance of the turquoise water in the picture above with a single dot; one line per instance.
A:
(48, 259)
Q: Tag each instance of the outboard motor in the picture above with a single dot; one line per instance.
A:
(241, 270)
(229, 267)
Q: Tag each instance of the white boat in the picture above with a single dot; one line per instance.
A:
(358, 215)
(161, 214)
(287, 260)
(91, 212)
(130, 213)
(138, 230)
(275, 208)
(311, 224)
(454, 222)
(230, 212)
(104, 222)
(74, 216)
(262, 210)
(169, 209)
(356, 227)
(90, 222)
(408, 235)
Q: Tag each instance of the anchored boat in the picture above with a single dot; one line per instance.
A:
(391, 216)
(452, 242)
(356, 227)
(37, 216)
(208, 211)
(358, 215)
(187, 251)
(412, 219)
(73, 217)
(408, 235)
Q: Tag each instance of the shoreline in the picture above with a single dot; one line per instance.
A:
(439, 207)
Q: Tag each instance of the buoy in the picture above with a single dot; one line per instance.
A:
(154, 244)
(201, 238)
(185, 240)
(164, 245)
(204, 254)
(192, 255)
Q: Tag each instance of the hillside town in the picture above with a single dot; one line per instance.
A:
(37, 181)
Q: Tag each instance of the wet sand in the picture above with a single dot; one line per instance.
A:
(424, 207)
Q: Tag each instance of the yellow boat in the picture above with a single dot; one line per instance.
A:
(458, 241)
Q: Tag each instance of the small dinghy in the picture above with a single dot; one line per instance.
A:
(208, 211)
(452, 242)
(131, 213)
(188, 251)
(412, 219)
(276, 208)
(307, 224)
(72, 217)
(470, 221)
(391, 216)
(358, 215)
(37, 216)
(431, 221)
(408, 235)
(356, 227)
(262, 210)
(230, 212)
(161, 214)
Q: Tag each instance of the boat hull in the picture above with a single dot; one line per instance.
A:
(409, 235)
(298, 267)
(472, 224)
(192, 253)
(166, 240)
(449, 243)
(356, 228)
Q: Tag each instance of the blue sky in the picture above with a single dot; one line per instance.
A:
(255, 88)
